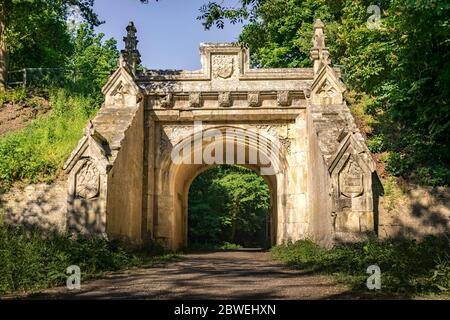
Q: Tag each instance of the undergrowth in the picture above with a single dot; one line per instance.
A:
(407, 267)
(37, 152)
(29, 261)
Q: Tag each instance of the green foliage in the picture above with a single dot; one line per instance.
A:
(397, 164)
(228, 204)
(376, 144)
(36, 102)
(230, 246)
(36, 33)
(281, 36)
(214, 246)
(18, 95)
(392, 193)
(3, 97)
(433, 176)
(93, 60)
(29, 261)
(407, 266)
(37, 152)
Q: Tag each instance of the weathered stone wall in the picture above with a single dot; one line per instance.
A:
(124, 201)
(419, 212)
(321, 228)
(39, 205)
(415, 213)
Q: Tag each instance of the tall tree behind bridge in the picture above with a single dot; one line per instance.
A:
(3, 69)
(36, 31)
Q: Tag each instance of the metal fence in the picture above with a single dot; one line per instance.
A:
(43, 77)
(33, 77)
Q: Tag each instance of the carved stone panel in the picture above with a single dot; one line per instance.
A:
(224, 99)
(195, 100)
(327, 92)
(254, 99)
(286, 143)
(283, 98)
(167, 101)
(120, 94)
(223, 66)
(351, 179)
(87, 181)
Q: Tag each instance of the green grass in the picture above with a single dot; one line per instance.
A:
(29, 261)
(37, 152)
(214, 246)
(3, 97)
(407, 267)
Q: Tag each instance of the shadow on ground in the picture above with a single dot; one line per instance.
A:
(209, 275)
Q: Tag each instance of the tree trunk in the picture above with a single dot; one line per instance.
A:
(3, 51)
(234, 222)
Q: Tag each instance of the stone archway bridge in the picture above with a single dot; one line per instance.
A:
(124, 181)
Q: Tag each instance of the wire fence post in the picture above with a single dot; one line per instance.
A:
(24, 83)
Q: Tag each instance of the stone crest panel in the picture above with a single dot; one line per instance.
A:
(223, 66)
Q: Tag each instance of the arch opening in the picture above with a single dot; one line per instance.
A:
(229, 206)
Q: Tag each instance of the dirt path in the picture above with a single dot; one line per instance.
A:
(216, 275)
(16, 116)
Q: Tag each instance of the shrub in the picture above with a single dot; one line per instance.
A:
(36, 102)
(396, 164)
(433, 176)
(29, 261)
(214, 246)
(407, 266)
(376, 144)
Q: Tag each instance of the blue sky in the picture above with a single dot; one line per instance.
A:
(168, 30)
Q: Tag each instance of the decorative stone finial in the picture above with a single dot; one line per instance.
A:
(319, 35)
(131, 54)
(319, 53)
(318, 24)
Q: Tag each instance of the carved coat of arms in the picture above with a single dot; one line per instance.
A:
(223, 66)
(87, 181)
(351, 180)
